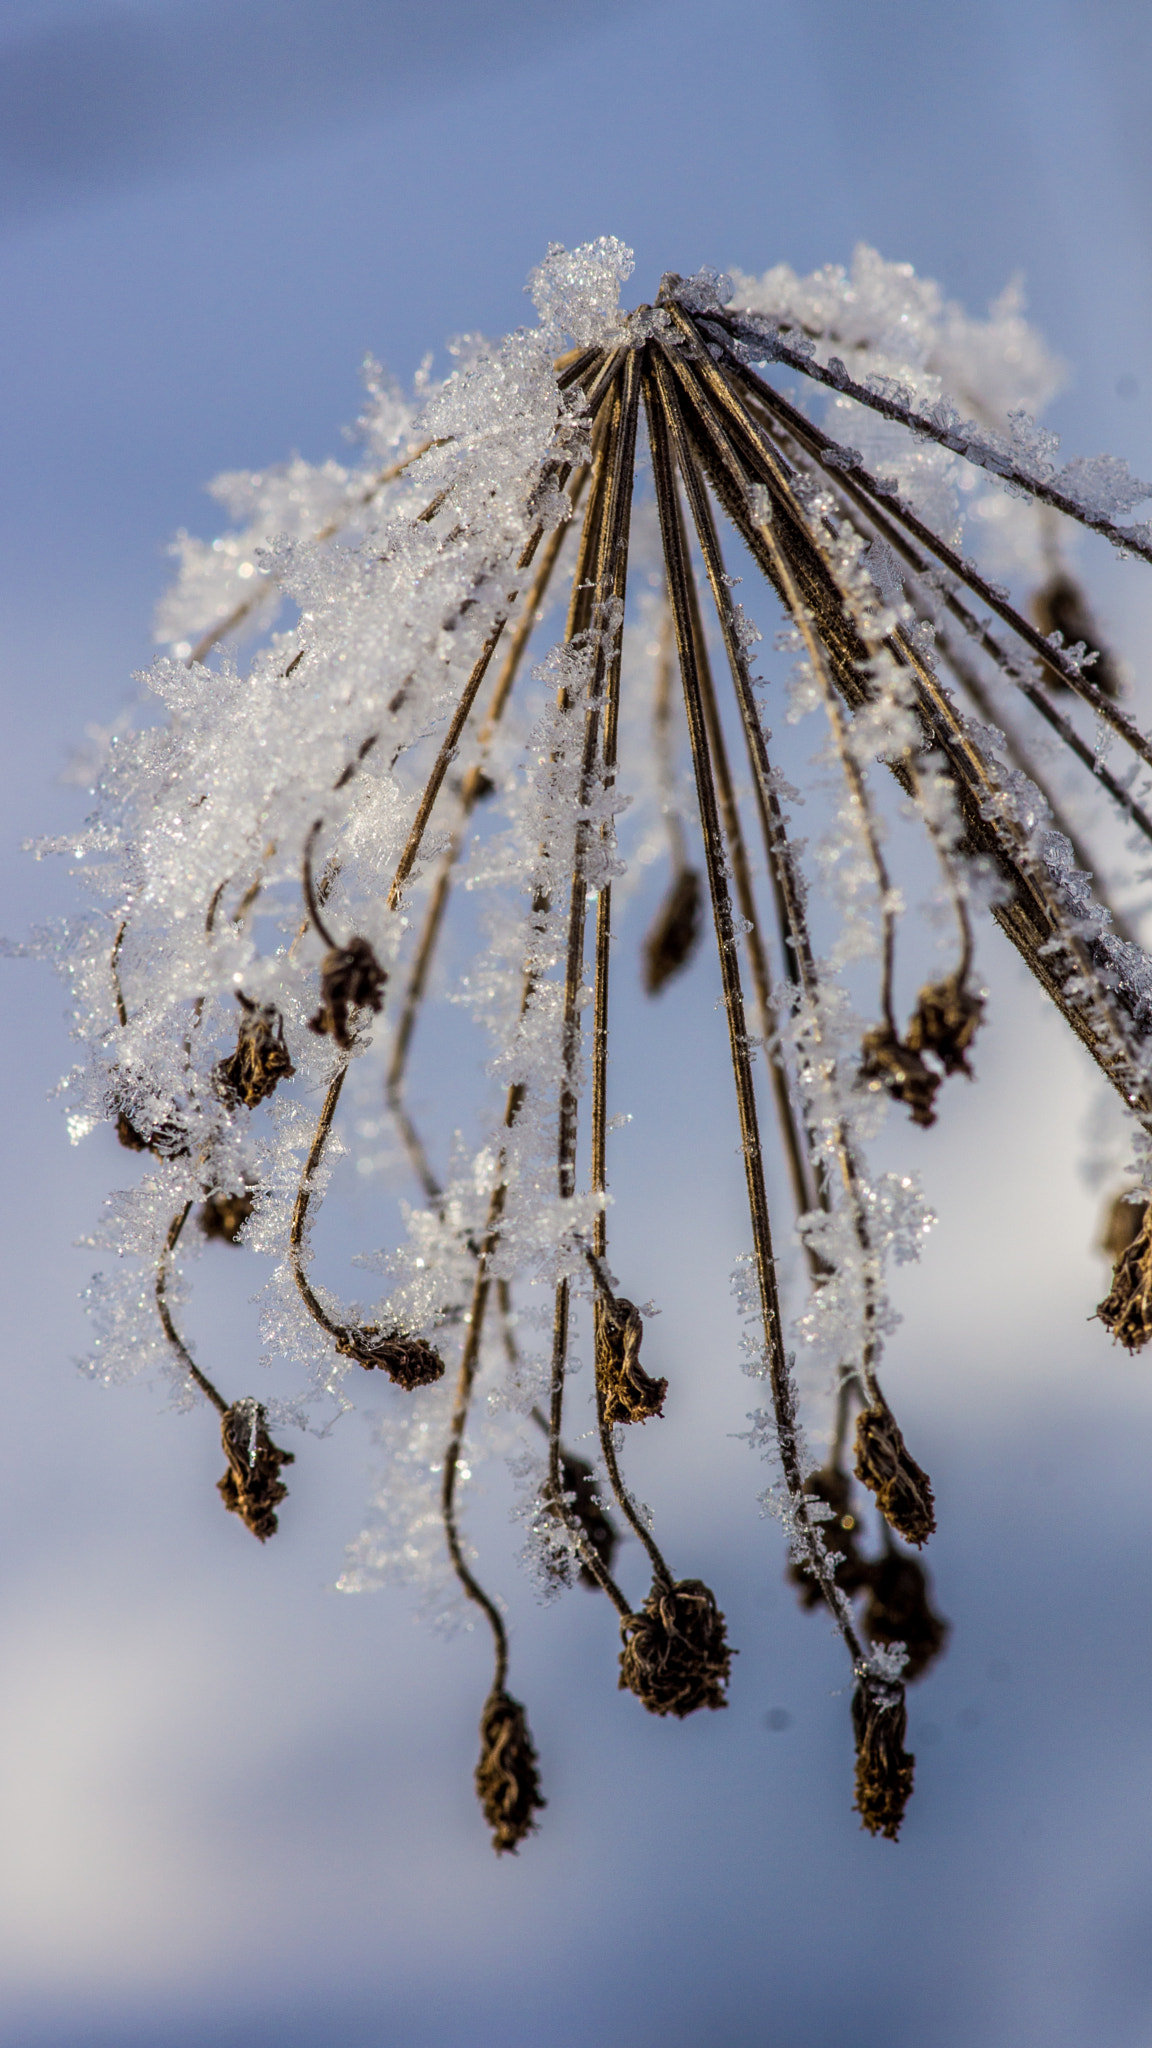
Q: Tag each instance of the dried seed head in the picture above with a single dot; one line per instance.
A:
(1123, 1222)
(507, 1781)
(946, 1020)
(582, 1500)
(225, 1216)
(1059, 606)
(900, 1071)
(351, 978)
(168, 1139)
(676, 1656)
(627, 1392)
(840, 1532)
(252, 1487)
(884, 1770)
(260, 1059)
(898, 1610)
(675, 935)
(903, 1492)
(407, 1360)
(1126, 1310)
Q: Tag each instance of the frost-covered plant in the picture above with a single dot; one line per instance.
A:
(274, 863)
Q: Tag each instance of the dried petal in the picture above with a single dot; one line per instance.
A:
(627, 1392)
(1126, 1310)
(884, 1770)
(946, 1020)
(224, 1216)
(840, 1532)
(351, 978)
(675, 934)
(507, 1781)
(407, 1360)
(898, 1610)
(903, 1492)
(900, 1071)
(676, 1656)
(128, 1135)
(1060, 606)
(260, 1059)
(252, 1487)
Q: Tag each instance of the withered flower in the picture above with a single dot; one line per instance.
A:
(261, 1057)
(884, 1769)
(224, 1216)
(903, 1492)
(900, 1071)
(351, 978)
(676, 1656)
(168, 1139)
(128, 1135)
(626, 1390)
(507, 1780)
(946, 1020)
(841, 1534)
(409, 1361)
(898, 1610)
(1126, 1310)
(1059, 606)
(252, 1487)
(675, 934)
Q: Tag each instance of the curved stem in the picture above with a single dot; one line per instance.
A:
(315, 1308)
(170, 1331)
(310, 896)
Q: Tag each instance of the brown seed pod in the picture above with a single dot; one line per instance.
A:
(1059, 606)
(507, 1781)
(898, 1610)
(224, 1216)
(252, 1487)
(903, 1492)
(946, 1020)
(260, 1059)
(675, 934)
(900, 1071)
(840, 1533)
(168, 1139)
(582, 1499)
(884, 1769)
(1126, 1310)
(627, 1392)
(351, 978)
(407, 1360)
(676, 1656)
(1123, 1222)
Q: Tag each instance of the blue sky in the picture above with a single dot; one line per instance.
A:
(235, 1806)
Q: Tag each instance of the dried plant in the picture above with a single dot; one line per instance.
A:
(422, 580)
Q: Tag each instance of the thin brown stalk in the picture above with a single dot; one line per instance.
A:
(315, 1308)
(170, 1331)
(928, 428)
(965, 572)
(783, 1400)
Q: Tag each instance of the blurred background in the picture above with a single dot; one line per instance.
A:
(235, 1806)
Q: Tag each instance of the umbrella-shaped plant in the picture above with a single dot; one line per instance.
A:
(514, 669)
